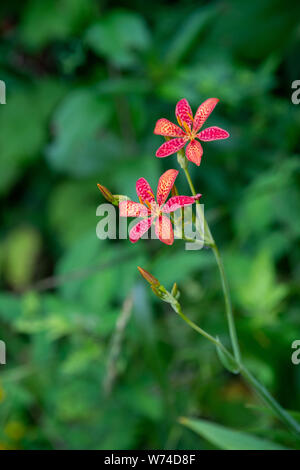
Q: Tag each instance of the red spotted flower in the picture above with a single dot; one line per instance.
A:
(152, 210)
(189, 130)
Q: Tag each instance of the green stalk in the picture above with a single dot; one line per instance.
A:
(224, 282)
(280, 412)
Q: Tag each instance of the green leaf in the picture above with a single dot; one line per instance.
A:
(53, 20)
(228, 361)
(78, 145)
(118, 36)
(22, 249)
(191, 28)
(176, 266)
(228, 439)
(259, 292)
(28, 111)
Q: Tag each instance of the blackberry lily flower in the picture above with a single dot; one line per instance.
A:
(189, 130)
(152, 210)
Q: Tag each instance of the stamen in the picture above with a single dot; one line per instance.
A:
(186, 127)
(179, 120)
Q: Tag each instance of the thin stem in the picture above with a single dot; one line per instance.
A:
(261, 391)
(270, 401)
(225, 287)
(280, 412)
(215, 341)
(228, 306)
(196, 327)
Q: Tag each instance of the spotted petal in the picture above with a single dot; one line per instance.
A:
(202, 113)
(194, 152)
(212, 133)
(144, 191)
(139, 229)
(171, 146)
(165, 184)
(184, 113)
(168, 129)
(132, 209)
(164, 230)
(176, 202)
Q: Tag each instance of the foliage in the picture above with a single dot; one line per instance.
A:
(86, 83)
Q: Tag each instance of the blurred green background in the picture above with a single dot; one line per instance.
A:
(86, 81)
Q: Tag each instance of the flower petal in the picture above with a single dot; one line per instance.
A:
(202, 113)
(171, 146)
(139, 229)
(165, 184)
(144, 191)
(184, 113)
(176, 202)
(168, 129)
(194, 152)
(164, 230)
(212, 133)
(132, 209)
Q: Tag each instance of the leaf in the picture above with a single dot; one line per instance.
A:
(191, 28)
(78, 144)
(22, 249)
(228, 439)
(70, 197)
(118, 36)
(228, 361)
(51, 20)
(259, 292)
(176, 266)
(28, 111)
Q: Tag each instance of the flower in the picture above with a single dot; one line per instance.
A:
(152, 210)
(189, 130)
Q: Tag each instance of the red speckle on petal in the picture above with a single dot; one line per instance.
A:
(168, 129)
(164, 230)
(213, 133)
(165, 184)
(194, 152)
(170, 147)
(184, 113)
(139, 229)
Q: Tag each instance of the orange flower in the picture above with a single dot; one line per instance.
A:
(152, 210)
(189, 130)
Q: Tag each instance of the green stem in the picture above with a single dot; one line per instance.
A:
(177, 308)
(228, 306)
(225, 287)
(280, 412)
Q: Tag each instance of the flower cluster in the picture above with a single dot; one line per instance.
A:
(154, 211)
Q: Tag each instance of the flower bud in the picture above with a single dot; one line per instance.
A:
(112, 198)
(149, 278)
(106, 193)
(175, 292)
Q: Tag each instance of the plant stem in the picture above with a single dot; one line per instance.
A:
(228, 306)
(177, 308)
(225, 287)
(280, 412)
(261, 391)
